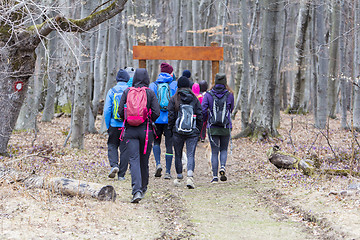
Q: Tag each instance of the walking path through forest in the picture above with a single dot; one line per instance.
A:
(257, 202)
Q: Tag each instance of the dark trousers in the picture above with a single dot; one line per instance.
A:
(160, 130)
(114, 144)
(139, 162)
(191, 142)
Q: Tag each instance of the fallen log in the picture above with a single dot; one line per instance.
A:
(288, 161)
(66, 186)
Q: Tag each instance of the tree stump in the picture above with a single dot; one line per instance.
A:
(288, 161)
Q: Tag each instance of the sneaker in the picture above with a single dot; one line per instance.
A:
(222, 174)
(167, 176)
(113, 172)
(177, 182)
(215, 180)
(179, 176)
(158, 171)
(190, 183)
(121, 178)
(137, 197)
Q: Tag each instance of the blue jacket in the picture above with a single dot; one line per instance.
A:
(109, 105)
(167, 78)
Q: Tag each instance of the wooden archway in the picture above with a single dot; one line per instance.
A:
(214, 54)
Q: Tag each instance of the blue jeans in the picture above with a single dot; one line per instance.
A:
(219, 144)
(191, 142)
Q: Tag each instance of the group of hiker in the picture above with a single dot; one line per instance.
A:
(137, 114)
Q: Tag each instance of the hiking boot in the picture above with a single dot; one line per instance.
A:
(121, 178)
(215, 180)
(167, 176)
(137, 197)
(190, 183)
(158, 171)
(222, 174)
(113, 172)
(179, 176)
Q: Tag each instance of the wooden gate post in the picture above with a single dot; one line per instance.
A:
(142, 62)
(214, 65)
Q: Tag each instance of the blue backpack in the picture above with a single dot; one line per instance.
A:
(163, 95)
(116, 102)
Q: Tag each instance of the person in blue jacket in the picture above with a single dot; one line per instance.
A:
(114, 126)
(131, 72)
(162, 122)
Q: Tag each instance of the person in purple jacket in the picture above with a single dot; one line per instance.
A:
(217, 105)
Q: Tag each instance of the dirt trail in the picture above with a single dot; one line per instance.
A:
(257, 202)
(227, 210)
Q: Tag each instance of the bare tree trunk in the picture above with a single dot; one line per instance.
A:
(262, 124)
(333, 81)
(298, 94)
(52, 74)
(78, 123)
(356, 71)
(243, 94)
(320, 121)
(98, 78)
(343, 86)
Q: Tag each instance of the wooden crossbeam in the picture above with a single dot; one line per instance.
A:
(178, 53)
(213, 54)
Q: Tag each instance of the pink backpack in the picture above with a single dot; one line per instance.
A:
(136, 111)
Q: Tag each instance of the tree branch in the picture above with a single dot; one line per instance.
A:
(76, 25)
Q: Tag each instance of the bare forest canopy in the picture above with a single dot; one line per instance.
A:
(301, 57)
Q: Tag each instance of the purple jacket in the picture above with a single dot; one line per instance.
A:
(207, 104)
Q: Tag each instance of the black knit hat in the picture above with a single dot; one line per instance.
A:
(220, 78)
(183, 82)
(203, 85)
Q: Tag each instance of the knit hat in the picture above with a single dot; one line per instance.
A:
(203, 85)
(186, 73)
(122, 76)
(220, 78)
(183, 82)
(166, 68)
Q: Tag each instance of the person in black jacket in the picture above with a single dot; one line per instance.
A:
(136, 136)
(184, 95)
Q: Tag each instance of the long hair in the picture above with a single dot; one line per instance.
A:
(177, 97)
(226, 86)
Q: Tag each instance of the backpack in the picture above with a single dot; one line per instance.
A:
(186, 120)
(116, 101)
(163, 95)
(219, 115)
(136, 111)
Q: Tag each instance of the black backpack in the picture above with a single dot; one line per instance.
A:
(219, 115)
(186, 120)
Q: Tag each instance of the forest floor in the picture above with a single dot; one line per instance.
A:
(258, 201)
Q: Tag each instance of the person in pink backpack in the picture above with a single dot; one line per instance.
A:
(196, 90)
(139, 108)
